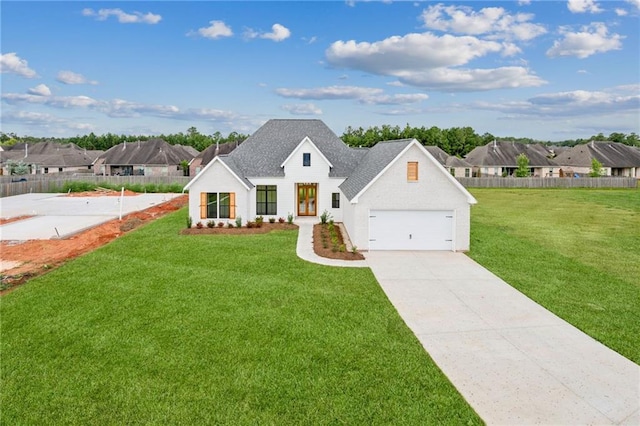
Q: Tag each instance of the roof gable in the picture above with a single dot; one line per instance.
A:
(380, 158)
(228, 165)
(153, 151)
(263, 153)
(300, 145)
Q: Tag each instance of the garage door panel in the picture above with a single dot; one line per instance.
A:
(410, 230)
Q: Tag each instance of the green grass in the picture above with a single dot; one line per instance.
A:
(82, 186)
(159, 328)
(576, 252)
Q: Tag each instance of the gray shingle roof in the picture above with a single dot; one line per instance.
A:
(609, 154)
(505, 154)
(231, 163)
(51, 154)
(262, 153)
(223, 149)
(445, 159)
(151, 152)
(375, 160)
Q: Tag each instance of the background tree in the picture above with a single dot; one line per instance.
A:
(596, 168)
(17, 167)
(523, 166)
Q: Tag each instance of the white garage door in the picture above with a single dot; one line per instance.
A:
(411, 230)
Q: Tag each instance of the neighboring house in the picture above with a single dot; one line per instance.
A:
(49, 157)
(617, 159)
(205, 157)
(393, 196)
(154, 157)
(501, 159)
(456, 166)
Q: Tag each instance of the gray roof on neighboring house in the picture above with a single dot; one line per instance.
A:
(609, 154)
(151, 152)
(262, 153)
(505, 154)
(445, 159)
(373, 162)
(189, 149)
(50, 154)
(453, 161)
(222, 149)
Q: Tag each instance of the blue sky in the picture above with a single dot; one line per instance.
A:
(550, 70)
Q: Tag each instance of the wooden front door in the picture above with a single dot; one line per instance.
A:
(307, 199)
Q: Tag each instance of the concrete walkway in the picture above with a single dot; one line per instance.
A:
(515, 362)
(304, 247)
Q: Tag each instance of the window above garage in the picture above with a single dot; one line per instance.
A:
(412, 171)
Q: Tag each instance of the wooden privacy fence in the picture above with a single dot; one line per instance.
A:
(50, 184)
(549, 182)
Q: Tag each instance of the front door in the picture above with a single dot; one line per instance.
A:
(307, 199)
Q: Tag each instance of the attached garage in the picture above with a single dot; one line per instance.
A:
(411, 230)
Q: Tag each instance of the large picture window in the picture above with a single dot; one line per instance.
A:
(217, 205)
(266, 200)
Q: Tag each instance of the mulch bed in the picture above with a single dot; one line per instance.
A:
(265, 228)
(326, 249)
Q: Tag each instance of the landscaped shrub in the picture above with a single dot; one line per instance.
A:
(189, 222)
(272, 220)
(229, 225)
(220, 224)
(251, 224)
(238, 222)
(281, 219)
(325, 217)
(259, 221)
(199, 225)
(210, 224)
(290, 219)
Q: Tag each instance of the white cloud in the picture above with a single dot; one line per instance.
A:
(583, 6)
(216, 29)
(400, 111)
(635, 3)
(467, 80)
(44, 120)
(593, 39)
(490, 21)
(278, 33)
(330, 92)
(310, 40)
(399, 99)
(410, 52)
(10, 63)
(70, 77)
(40, 90)
(302, 109)
(583, 72)
(612, 101)
(123, 17)
(524, 2)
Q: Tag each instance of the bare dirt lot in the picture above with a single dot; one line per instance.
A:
(35, 257)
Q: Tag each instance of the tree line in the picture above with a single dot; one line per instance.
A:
(457, 141)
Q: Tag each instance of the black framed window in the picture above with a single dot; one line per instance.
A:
(212, 205)
(266, 200)
(224, 205)
(306, 159)
(335, 200)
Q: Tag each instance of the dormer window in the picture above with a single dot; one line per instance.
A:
(306, 159)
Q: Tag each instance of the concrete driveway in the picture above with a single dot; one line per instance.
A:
(515, 362)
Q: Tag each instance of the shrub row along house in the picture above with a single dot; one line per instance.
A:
(47, 157)
(501, 159)
(393, 196)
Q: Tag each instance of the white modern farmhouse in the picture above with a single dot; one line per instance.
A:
(393, 196)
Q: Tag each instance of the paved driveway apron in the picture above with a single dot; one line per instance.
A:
(514, 361)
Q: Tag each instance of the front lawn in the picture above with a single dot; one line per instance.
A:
(575, 251)
(162, 328)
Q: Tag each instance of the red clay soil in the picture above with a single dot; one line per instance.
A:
(13, 219)
(37, 257)
(102, 192)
